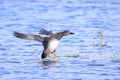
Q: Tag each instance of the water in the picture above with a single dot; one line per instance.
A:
(19, 59)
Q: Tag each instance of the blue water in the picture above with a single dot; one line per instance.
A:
(19, 59)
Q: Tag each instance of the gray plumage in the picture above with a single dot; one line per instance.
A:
(49, 40)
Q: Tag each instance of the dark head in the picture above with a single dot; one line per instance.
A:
(67, 32)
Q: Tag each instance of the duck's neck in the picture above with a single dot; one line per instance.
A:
(59, 35)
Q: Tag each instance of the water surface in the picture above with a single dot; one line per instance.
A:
(19, 59)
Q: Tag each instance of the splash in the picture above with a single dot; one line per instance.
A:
(101, 43)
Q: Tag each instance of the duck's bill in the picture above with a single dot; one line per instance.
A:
(72, 33)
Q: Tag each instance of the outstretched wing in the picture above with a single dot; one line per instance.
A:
(28, 36)
(45, 32)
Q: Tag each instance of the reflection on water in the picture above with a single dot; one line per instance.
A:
(96, 42)
(50, 63)
(45, 62)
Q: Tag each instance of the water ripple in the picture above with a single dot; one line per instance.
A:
(19, 58)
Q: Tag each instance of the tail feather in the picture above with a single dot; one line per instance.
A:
(28, 36)
(43, 55)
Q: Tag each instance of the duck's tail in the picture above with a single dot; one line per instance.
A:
(44, 55)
